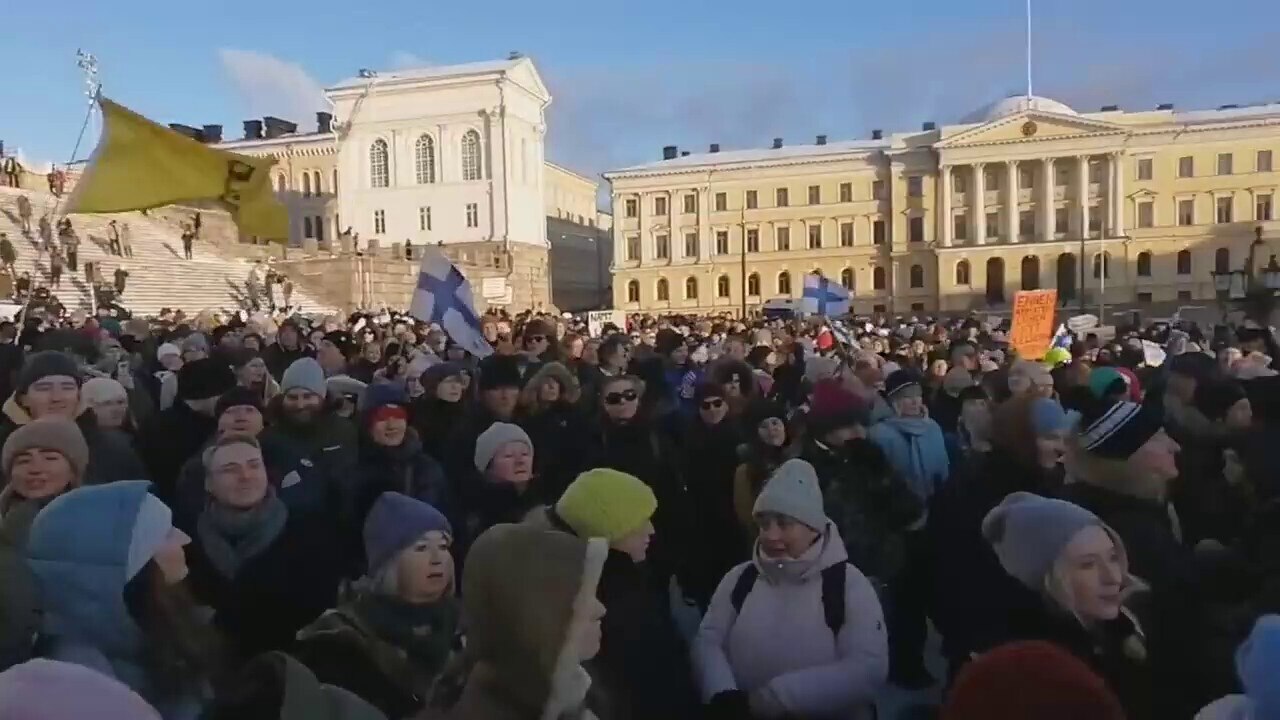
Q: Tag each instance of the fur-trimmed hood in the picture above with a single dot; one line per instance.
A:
(570, 388)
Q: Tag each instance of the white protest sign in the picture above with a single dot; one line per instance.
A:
(597, 319)
(1152, 353)
(1081, 323)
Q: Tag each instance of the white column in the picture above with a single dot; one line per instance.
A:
(648, 238)
(1011, 219)
(978, 204)
(1082, 190)
(705, 239)
(1047, 213)
(1117, 162)
(944, 205)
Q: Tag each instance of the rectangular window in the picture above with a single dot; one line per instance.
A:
(1224, 206)
(781, 198)
(473, 215)
(1146, 214)
(1027, 223)
(1187, 212)
(879, 308)
(915, 186)
(660, 205)
(1184, 295)
(633, 207)
(917, 307)
(633, 247)
(722, 242)
(960, 227)
(1144, 297)
(379, 221)
(753, 200)
(879, 232)
(915, 229)
(1262, 208)
(662, 247)
(1263, 162)
(878, 191)
(691, 245)
(1095, 219)
(1186, 166)
(424, 218)
(1224, 163)
(815, 237)
(690, 204)
(1061, 221)
(753, 240)
(1026, 178)
(722, 202)
(846, 234)
(993, 224)
(1062, 174)
(782, 238)
(1146, 168)
(959, 184)
(815, 194)
(846, 192)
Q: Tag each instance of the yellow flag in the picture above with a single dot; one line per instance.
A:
(139, 164)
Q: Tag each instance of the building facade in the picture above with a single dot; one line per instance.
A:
(1026, 193)
(581, 248)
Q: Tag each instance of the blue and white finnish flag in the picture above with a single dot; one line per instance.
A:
(823, 297)
(443, 296)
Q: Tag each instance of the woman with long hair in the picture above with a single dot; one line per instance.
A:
(549, 410)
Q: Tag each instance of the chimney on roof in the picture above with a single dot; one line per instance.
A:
(515, 55)
(324, 122)
(252, 129)
(877, 134)
(211, 134)
(929, 125)
(777, 143)
(186, 131)
(1232, 106)
(278, 128)
(669, 152)
(684, 153)
(715, 147)
(1110, 108)
(1165, 106)
(822, 140)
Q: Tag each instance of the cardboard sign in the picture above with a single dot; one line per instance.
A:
(1033, 322)
(597, 319)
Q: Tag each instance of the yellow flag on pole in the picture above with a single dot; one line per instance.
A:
(139, 164)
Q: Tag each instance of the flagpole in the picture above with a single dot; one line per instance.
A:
(1028, 48)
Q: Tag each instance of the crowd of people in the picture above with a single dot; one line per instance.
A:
(262, 516)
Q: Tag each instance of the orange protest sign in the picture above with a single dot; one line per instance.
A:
(1033, 315)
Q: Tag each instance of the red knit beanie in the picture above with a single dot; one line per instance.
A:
(833, 406)
(1031, 680)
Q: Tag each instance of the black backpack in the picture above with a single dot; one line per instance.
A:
(832, 593)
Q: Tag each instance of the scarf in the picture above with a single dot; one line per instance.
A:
(790, 571)
(425, 632)
(231, 538)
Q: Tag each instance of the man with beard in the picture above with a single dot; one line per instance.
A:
(173, 435)
(285, 350)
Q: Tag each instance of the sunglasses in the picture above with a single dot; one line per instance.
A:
(537, 338)
(617, 398)
(714, 404)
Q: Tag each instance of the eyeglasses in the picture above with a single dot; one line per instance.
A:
(617, 398)
(712, 404)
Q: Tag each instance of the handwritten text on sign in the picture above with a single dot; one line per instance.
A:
(1033, 322)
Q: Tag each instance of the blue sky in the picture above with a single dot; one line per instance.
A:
(629, 78)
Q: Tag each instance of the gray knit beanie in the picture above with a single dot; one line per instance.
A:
(492, 440)
(793, 491)
(304, 373)
(1028, 533)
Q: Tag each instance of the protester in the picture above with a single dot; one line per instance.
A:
(1032, 679)
(52, 690)
(711, 458)
(173, 435)
(300, 418)
(501, 491)
(549, 411)
(276, 686)
(439, 410)
(767, 445)
(109, 401)
(391, 455)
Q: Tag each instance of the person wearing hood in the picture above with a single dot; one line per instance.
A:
(391, 455)
(766, 446)
(370, 362)
(973, 598)
(109, 401)
(266, 571)
(643, 665)
(300, 418)
(111, 571)
(499, 385)
(1257, 664)
(710, 459)
(532, 618)
(49, 386)
(276, 686)
(440, 408)
(1077, 570)
(502, 489)
(391, 638)
(797, 631)
(548, 410)
(286, 350)
(51, 690)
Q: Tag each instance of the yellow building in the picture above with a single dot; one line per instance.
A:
(956, 217)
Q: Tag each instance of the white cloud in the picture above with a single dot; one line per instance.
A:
(268, 85)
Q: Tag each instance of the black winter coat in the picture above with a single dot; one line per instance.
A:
(436, 421)
(279, 359)
(557, 434)
(168, 439)
(405, 469)
(718, 542)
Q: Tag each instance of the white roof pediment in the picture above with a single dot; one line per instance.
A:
(1028, 126)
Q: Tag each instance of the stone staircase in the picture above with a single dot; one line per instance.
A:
(158, 276)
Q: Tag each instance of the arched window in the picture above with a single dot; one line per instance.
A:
(424, 159)
(379, 171)
(877, 278)
(846, 278)
(917, 276)
(664, 290)
(1222, 260)
(1068, 276)
(753, 284)
(306, 226)
(784, 283)
(1184, 262)
(471, 155)
(1144, 264)
(962, 272)
(1102, 265)
(722, 286)
(306, 184)
(995, 281)
(633, 291)
(316, 185)
(282, 184)
(691, 288)
(1031, 273)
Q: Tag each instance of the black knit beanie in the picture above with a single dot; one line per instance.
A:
(46, 364)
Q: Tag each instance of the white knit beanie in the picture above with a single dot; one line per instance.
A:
(492, 440)
(793, 491)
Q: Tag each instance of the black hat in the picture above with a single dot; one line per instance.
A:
(45, 364)
(1214, 399)
(1117, 430)
(237, 397)
(499, 371)
(760, 410)
(204, 378)
(900, 380)
(707, 389)
(1193, 365)
(667, 341)
(341, 339)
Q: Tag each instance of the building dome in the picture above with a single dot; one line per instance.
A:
(1013, 105)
